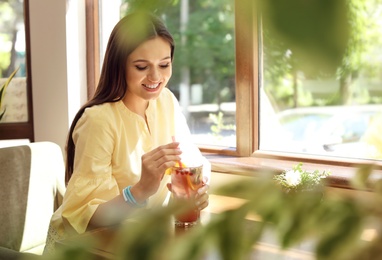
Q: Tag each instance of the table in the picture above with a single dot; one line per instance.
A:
(106, 237)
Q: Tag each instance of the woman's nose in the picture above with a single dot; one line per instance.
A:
(154, 75)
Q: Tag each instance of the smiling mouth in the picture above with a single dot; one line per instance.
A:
(152, 86)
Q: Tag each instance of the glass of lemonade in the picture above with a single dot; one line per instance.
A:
(185, 182)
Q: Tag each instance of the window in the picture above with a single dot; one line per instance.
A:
(16, 120)
(277, 110)
(12, 57)
(318, 103)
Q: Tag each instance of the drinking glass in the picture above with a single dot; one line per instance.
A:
(185, 182)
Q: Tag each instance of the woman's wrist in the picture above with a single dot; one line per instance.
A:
(134, 197)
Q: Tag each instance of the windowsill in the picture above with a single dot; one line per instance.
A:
(341, 175)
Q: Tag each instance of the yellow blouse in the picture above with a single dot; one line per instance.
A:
(110, 140)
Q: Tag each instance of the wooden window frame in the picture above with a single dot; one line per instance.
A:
(92, 45)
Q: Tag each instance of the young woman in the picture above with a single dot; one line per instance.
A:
(120, 142)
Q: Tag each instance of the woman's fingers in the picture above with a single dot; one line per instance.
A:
(202, 201)
(156, 162)
(164, 150)
(202, 197)
(203, 189)
(163, 156)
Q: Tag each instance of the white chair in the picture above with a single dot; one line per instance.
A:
(32, 184)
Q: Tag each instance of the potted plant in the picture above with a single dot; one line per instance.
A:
(297, 179)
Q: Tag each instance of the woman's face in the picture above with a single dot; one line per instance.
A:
(148, 70)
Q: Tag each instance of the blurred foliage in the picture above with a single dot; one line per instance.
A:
(337, 40)
(3, 88)
(373, 137)
(333, 224)
(317, 32)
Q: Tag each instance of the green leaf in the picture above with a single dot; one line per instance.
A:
(361, 176)
(2, 114)
(2, 90)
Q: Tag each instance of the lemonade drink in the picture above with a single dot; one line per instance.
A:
(185, 183)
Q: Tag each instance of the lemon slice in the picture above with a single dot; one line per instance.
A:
(189, 182)
(168, 171)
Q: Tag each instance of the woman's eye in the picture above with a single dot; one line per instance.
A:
(141, 67)
(164, 65)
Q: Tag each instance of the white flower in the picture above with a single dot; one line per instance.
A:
(293, 178)
(299, 179)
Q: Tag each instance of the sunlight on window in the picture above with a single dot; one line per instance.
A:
(321, 113)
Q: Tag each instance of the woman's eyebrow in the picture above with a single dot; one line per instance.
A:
(143, 60)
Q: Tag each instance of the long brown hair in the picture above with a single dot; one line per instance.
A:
(132, 30)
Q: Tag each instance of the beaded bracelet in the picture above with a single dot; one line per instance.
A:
(129, 198)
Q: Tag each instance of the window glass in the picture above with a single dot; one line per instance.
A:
(204, 66)
(14, 107)
(309, 105)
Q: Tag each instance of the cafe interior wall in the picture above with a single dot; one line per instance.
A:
(57, 35)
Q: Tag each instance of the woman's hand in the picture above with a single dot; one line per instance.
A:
(154, 165)
(202, 197)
